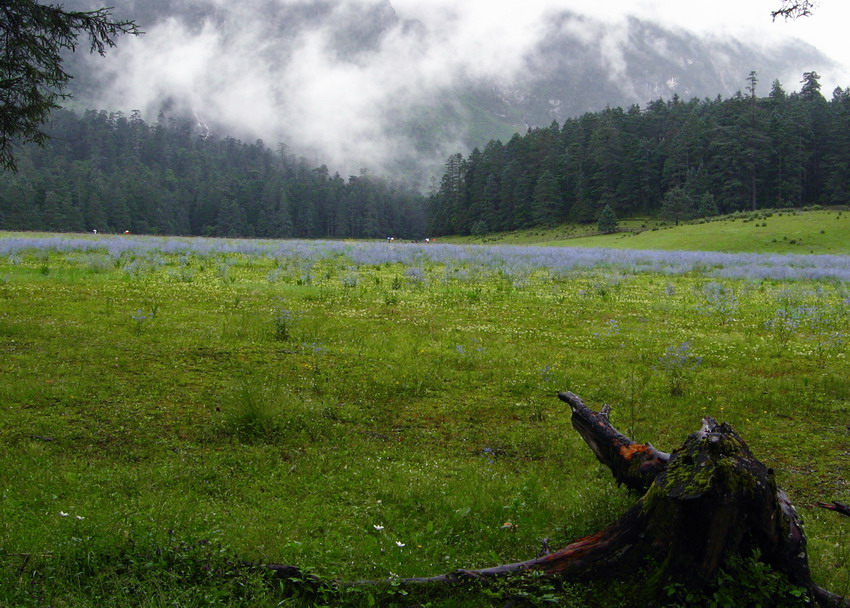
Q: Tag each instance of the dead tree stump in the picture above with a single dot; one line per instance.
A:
(707, 500)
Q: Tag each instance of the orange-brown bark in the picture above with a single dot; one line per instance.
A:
(633, 464)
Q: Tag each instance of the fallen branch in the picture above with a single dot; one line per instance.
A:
(838, 507)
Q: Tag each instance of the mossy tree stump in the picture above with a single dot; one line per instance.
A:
(702, 503)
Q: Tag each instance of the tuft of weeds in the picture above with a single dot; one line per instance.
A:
(260, 412)
(678, 365)
(743, 581)
(284, 323)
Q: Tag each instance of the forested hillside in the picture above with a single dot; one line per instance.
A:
(355, 83)
(110, 172)
(680, 159)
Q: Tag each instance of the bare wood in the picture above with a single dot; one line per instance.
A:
(838, 507)
(633, 464)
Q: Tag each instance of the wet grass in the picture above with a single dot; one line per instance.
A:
(166, 418)
(818, 231)
(768, 231)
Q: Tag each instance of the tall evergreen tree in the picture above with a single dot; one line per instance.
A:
(837, 151)
(677, 205)
(547, 205)
(606, 153)
(35, 38)
(607, 220)
(756, 141)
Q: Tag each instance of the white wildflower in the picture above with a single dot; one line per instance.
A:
(378, 527)
(399, 543)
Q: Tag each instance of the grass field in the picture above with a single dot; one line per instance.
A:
(170, 408)
(817, 231)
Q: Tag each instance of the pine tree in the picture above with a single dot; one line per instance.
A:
(706, 206)
(677, 205)
(53, 210)
(230, 221)
(606, 153)
(546, 208)
(34, 40)
(756, 142)
(837, 156)
(523, 192)
(607, 220)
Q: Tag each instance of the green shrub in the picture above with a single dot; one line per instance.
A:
(741, 583)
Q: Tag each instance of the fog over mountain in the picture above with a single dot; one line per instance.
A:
(398, 87)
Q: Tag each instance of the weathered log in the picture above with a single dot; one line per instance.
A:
(633, 464)
(705, 501)
(838, 507)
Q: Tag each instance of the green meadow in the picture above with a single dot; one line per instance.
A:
(168, 420)
(770, 231)
(818, 231)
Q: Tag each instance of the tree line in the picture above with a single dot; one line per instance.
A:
(680, 159)
(111, 172)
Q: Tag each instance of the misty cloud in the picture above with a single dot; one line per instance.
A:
(360, 83)
(316, 87)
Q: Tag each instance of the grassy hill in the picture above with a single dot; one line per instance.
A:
(771, 231)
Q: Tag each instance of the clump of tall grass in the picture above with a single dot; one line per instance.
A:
(98, 262)
(719, 300)
(284, 323)
(678, 365)
(141, 320)
(250, 414)
(415, 275)
(259, 412)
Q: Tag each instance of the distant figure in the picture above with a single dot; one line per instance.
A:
(126, 232)
(95, 230)
(427, 240)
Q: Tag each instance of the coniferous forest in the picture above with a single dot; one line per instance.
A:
(110, 172)
(676, 159)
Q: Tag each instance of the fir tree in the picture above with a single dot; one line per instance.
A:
(607, 220)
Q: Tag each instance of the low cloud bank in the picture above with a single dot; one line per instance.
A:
(349, 83)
